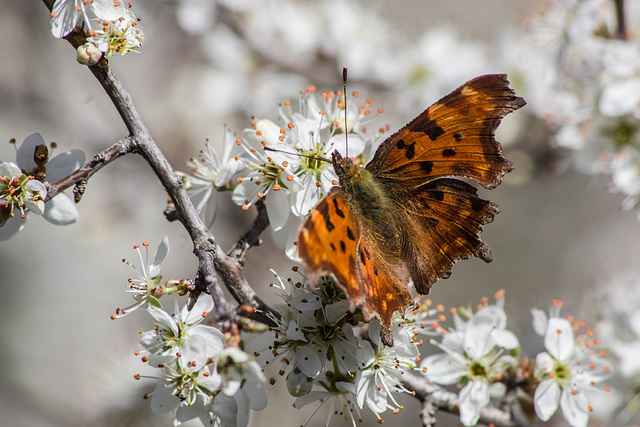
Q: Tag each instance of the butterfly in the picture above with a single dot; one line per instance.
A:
(404, 216)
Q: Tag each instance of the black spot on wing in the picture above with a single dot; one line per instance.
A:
(410, 149)
(430, 128)
(350, 234)
(327, 219)
(362, 259)
(338, 210)
(457, 136)
(426, 167)
(448, 152)
(343, 247)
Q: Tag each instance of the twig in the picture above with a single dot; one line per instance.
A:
(251, 237)
(435, 397)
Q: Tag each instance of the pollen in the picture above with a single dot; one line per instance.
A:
(380, 421)
(291, 125)
(558, 303)
(318, 184)
(440, 308)
(380, 111)
(116, 3)
(136, 376)
(78, 8)
(453, 310)
(607, 368)
(145, 244)
(240, 180)
(499, 294)
(334, 182)
(136, 246)
(607, 388)
(574, 392)
(395, 411)
(245, 207)
(287, 102)
(238, 141)
(424, 370)
(289, 177)
(276, 187)
(53, 14)
(354, 94)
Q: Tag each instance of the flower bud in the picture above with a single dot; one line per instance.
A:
(88, 54)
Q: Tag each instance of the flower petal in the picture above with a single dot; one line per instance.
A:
(12, 227)
(546, 399)
(443, 369)
(61, 211)
(64, 164)
(473, 398)
(24, 157)
(558, 340)
(575, 407)
(158, 259)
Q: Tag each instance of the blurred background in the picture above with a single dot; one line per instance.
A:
(560, 233)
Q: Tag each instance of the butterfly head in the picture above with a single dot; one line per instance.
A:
(345, 168)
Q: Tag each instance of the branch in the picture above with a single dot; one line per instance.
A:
(436, 398)
(621, 32)
(117, 150)
(142, 143)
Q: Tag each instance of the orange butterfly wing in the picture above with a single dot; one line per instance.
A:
(327, 243)
(453, 137)
(330, 242)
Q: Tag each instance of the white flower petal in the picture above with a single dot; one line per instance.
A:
(107, 10)
(24, 157)
(306, 302)
(66, 17)
(539, 321)
(64, 164)
(473, 398)
(546, 399)
(443, 369)
(10, 170)
(558, 340)
(61, 210)
(575, 407)
(277, 203)
(162, 399)
(158, 259)
(12, 227)
(308, 361)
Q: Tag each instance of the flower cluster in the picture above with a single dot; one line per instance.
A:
(23, 190)
(482, 357)
(116, 27)
(476, 354)
(318, 342)
(202, 375)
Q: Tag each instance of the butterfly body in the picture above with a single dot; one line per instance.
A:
(404, 216)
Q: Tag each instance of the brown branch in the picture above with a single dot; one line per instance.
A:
(142, 143)
(251, 237)
(434, 397)
(621, 30)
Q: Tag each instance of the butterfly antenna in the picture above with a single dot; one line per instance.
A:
(346, 133)
(324, 159)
